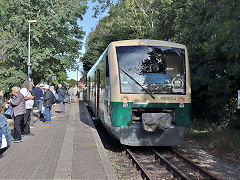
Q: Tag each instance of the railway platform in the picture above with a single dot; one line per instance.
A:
(68, 148)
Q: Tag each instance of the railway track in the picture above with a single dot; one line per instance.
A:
(168, 164)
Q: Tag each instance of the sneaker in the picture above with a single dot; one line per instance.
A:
(32, 126)
(53, 116)
(16, 141)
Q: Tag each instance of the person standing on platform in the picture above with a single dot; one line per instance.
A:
(4, 130)
(34, 105)
(61, 96)
(1, 97)
(70, 93)
(75, 93)
(19, 109)
(48, 101)
(39, 98)
(25, 91)
(53, 106)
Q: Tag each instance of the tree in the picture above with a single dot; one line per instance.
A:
(209, 29)
(127, 20)
(55, 38)
(73, 82)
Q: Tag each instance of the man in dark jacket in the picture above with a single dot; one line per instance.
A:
(39, 98)
(61, 96)
(47, 104)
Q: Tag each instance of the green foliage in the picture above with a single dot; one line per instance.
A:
(218, 139)
(11, 77)
(55, 38)
(73, 82)
(102, 6)
(209, 29)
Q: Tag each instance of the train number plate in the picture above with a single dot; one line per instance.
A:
(125, 104)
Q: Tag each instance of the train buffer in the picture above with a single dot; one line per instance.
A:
(68, 148)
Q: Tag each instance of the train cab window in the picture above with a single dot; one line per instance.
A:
(157, 69)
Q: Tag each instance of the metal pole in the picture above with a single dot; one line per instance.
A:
(28, 51)
(77, 77)
(29, 32)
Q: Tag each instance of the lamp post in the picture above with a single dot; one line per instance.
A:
(78, 76)
(29, 64)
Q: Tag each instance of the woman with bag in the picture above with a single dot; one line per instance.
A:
(18, 111)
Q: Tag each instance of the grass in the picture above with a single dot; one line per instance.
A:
(216, 138)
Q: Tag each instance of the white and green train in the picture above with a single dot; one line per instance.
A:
(141, 91)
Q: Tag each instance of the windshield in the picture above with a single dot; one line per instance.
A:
(155, 69)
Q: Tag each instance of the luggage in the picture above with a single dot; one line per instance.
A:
(8, 112)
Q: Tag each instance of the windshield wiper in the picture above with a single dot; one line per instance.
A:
(138, 84)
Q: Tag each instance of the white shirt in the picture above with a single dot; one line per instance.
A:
(29, 103)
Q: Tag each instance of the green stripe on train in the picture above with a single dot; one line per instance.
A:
(122, 115)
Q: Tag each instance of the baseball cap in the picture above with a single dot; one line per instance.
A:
(46, 86)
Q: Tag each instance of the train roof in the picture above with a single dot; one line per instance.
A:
(146, 42)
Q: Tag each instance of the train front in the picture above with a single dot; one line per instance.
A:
(153, 105)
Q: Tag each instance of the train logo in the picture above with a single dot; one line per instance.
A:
(177, 84)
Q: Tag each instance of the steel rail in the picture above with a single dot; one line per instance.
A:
(203, 171)
(138, 164)
(176, 172)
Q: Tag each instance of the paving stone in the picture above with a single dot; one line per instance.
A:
(65, 149)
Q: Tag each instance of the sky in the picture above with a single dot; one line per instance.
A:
(89, 23)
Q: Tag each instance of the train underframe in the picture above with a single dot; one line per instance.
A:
(135, 135)
(160, 129)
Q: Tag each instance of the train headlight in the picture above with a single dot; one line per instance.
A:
(181, 102)
(125, 101)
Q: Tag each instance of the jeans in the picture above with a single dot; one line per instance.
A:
(69, 98)
(47, 113)
(39, 106)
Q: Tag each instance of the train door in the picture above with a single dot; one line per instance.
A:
(91, 98)
(107, 96)
(97, 93)
(89, 88)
